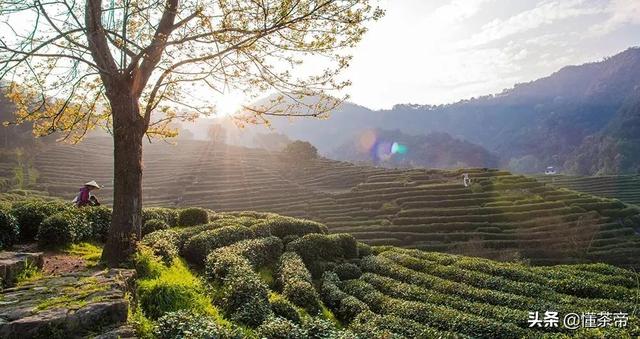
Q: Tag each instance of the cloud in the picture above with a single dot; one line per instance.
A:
(457, 10)
(621, 13)
(545, 13)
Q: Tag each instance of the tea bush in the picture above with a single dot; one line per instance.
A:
(312, 247)
(9, 231)
(99, 218)
(188, 324)
(258, 252)
(168, 215)
(62, 229)
(153, 225)
(285, 226)
(30, 213)
(243, 296)
(346, 271)
(280, 328)
(193, 216)
(296, 283)
(282, 307)
(163, 243)
(200, 245)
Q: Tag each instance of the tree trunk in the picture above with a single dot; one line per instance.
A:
(126, 219)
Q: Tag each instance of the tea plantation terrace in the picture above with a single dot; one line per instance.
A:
(626, 188)
(426, 209)
(273, 273)
(255, 275)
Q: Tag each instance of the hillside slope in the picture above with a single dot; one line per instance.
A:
(397, 149)
(261, 265)
(501, 216)
(626, 188)
(545, 119)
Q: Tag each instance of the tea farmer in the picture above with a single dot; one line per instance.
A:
(466, 181)
(85, 197)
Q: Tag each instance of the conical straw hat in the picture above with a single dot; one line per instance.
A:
(93, 183)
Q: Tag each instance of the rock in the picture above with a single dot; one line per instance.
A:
(12, 263)
(66, 306)
(122, 332)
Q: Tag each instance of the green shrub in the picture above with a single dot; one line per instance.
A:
(193, 216)
(296, 283)
(63, 229)
(30, 213)
(312, 247)
(185, 324)
(163, 243)
(285, 226)
(168, 215)
(282, 307)
(331, 293)
(316, 327)
(280, 328)
(244, 297)
(99, 217)
(350, 307)
(146, 263)
(289, 239)
(219, 267)
(153, 225)
(347, 271)
(259, 252)
(347, 244)
(364, 250)
(9, 230)
(476, 188)
(199, 246)
(370, 325)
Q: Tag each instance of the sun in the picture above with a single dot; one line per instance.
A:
(228, 104)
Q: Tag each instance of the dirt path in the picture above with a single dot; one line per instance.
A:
(56, 263)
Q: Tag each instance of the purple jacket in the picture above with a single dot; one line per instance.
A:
(83, 197)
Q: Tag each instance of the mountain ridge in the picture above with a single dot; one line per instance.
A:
(546, 119)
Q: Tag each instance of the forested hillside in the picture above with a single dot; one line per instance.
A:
(397, 149)
(546, 122)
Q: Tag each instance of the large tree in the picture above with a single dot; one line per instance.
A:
(134, 66)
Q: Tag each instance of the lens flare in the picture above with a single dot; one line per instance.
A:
(378, 148)
(367, 140)
(398, 148)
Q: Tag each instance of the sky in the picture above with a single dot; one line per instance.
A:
(442, 51)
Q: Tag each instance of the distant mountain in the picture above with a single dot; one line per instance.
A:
(397, 149)
(541, 123)
(616, 149)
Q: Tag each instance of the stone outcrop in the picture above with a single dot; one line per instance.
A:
(67, 306)
(12, 263)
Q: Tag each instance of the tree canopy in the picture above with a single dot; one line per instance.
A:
(62, 62)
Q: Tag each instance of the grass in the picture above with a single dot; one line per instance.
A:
(174, 289)
(266, 275)
(91, 253)
(328, 315)
(143, 325)
(29, 273)
(162, 289)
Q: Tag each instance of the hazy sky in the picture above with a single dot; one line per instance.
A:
(440, 51)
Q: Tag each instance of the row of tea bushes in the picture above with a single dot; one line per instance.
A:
(276, 281)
